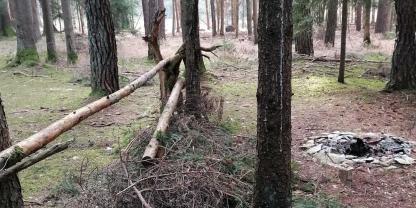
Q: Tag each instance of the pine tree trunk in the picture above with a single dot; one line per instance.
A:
(235, 16)
(207, 15)
(81, 17)
(26, 44)
(382, 21)
(6, 28)
(190, 36)
(403, 72)
(331, 23)
(373, 12)
(173, 17)
(255, 21)
(343, 40)
(178, 15)
(249, 17)
(273, 171)
(35, 21)
(102, 47)
(303, 25)
(72, 56)
(358, 12)
(367, 11)
(145, 7)
(10, 190)
(213, 19)
(152, 9)
(48, 30)
(222, 17)
(162, 30)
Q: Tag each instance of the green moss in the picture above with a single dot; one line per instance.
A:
(9, 32)
(72, 57)
(376, 57)
(28, 57)
(52, 57)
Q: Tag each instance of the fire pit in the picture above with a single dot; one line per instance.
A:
(346, 150)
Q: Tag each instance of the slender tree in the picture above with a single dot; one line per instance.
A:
(26, 46)
(235, 14)
(403, 70)
(207, 15)
(303, 27)
(10, 190)
(162, 30)
(173, 17)
(35, 21)
(48, 30)
(178, 15)
(367, 11)
(343, 40)
(249, 17)
(102, 47)
(255, 20)
(273, 171)
(213, 19)
(358, 12)
(72, 55)
(331, 22)
(222, 10)
(6, 28)
(190, 36)
(383, 17)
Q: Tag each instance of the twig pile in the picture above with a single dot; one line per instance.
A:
(202, 166)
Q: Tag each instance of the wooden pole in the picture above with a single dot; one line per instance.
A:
(35, 142)
(153, 146)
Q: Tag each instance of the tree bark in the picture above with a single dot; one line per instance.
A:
(255, 21)
(26, 44)
(10, 190)
(303, 25)
(367, 11)
(162, 30)
(48, 30)
(273, 171)
(331, 22)
(152, 148)
(102, 47)
(403, 71)
(207, 15)
(173, 17)
(222, 17)
(72, 56)
(358, 12)
(235, 14)
(178, 15)
(383, 16)
(35, 21)
(193, 60)
(343, 40)
(213, 19)
(81, 17)
(249, 17)
(373, 12)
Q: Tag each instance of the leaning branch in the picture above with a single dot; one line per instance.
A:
(153, 146)
(17, 152)
(35, 159)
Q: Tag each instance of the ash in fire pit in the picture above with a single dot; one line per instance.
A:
(346, 149)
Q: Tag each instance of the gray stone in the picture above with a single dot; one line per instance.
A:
(404, 160)
(307, 145)
(314, 149)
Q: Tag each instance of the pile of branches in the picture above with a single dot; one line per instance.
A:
(202, 166)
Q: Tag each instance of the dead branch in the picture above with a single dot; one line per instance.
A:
(35, 142)
(35, 159)
(324, 59)
(153, 146)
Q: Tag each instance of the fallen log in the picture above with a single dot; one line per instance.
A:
(29, 161)
(153, 146)
(324, 59)
(22, 149)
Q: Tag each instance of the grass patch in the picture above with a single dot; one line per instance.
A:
(318, 201)
(376, 57)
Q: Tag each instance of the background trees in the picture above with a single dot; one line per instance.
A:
(26, 44)
(273, 173)
(72, 56)
(102, 47)
(6, 28)
(303, 27)
(48, 30)
(331, 22)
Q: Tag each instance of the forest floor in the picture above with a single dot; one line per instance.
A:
(36, 96)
